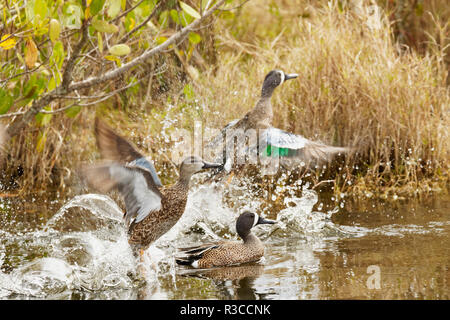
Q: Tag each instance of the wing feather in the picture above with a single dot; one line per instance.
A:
(112, 146)
(116, 148)
(304, 149)
(188, 256)
(136, 185)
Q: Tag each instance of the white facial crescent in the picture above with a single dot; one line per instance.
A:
(256, 220)
(282, 75)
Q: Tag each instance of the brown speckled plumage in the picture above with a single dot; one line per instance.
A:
(151, 209)
(232, 252)
(226, 253)
(159, 222)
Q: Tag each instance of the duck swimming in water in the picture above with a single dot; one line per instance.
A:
(226, 253)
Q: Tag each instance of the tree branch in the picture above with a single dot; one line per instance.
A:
(67, 75)
(126, 12)
(15, 127)
(22, 73)
(236, 7)
(147, 54)
(99, 98)
(151, 15)
(19, 123)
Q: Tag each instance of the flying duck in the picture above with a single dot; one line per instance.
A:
(270, 141)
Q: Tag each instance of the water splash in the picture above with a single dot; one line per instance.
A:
(85, 259)
(101, 206)
(85, 245)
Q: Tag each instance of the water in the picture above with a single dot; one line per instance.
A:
(77, 248)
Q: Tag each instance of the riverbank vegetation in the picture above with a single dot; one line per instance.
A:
(373, 75)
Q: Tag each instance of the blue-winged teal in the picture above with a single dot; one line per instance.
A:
(273, 141)
(151, 210)
(226, 253)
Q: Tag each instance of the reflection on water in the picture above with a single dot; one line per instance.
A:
(235, 282)
(77, 249)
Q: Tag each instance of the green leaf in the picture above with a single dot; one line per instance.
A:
(103, 26)
(20, 58)
(52, 83)
(163, 19)
(72, 15)
(114, 59)
(6, 101)
(130, 21)
(114, 8)
(54, 30)
(175, 16)
(146, 8)
(40, 8)
(57, 56)
(72, 111)
(100, 42)
(34, 85)
(96, 6)
(42, 119)
(120, 50)
(29, 11)
(194, 38)
(160, 40)
(185, 19)
(134, 89)
(189, 10)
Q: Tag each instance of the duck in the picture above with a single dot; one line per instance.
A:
(266, 140)
(151, 208)
(228, 253)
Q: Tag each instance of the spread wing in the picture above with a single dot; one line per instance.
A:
(277, 142)
(116, 148)
(136, 184)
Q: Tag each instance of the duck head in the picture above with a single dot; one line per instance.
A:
(273, 79)
(248, 220)
(191, 165)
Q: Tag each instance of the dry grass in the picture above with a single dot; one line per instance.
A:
(38, 157)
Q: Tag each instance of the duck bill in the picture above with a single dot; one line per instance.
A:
(265, 221)
(290, 76)
(210, 165)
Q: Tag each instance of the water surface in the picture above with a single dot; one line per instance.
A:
(76, 248)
